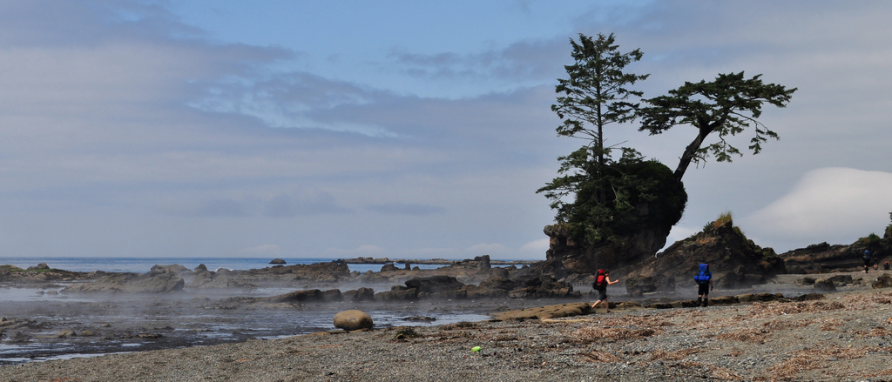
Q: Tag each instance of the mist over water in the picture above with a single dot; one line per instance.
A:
(110, 323)
(144, 264)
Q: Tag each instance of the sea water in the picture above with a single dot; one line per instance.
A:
(190, 325)
(144, 264)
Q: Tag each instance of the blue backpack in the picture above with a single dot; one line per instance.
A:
(704, 276)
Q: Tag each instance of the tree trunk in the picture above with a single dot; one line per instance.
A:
(689, 153)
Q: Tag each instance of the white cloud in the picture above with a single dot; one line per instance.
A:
(827, 204)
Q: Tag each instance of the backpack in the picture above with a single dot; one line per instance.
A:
(704, 276)
(600, 279)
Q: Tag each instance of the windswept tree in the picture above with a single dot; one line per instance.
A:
(596, 93)
(727, 106)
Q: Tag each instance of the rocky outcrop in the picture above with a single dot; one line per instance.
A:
(361, 294)
(821, 258)
(329, 272)
(638, 227)
(204, 279)
(437, 286)
(130, 283)
(38, 274)
(734, 260)
(353, 320)
(172, 268)
(278, 262)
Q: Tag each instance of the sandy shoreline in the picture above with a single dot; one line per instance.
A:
(845, 336)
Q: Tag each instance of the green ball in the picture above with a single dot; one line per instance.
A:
(476, 349)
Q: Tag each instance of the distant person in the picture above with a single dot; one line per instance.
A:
(602, 280)
(704, 284)
(867, 256)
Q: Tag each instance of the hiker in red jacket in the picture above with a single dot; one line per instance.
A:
(602, 280)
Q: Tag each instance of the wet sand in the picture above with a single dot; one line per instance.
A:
(845, 336)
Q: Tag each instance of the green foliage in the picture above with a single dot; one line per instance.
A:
(727, 106)
(641, 193)
(610, 196)
(595, 93)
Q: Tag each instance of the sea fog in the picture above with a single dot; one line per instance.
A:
(39, 323)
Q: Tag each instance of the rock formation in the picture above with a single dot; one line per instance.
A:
(734, 260)
(651, 204)
(130, 283)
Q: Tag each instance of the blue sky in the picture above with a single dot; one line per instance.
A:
(405, 128)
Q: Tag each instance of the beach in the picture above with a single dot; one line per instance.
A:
(845, 335)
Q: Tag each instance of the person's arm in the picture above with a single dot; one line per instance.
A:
(611, 282)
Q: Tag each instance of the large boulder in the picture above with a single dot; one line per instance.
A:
(353, 320)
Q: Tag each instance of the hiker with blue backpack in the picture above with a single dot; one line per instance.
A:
(602, 280)
(704, 284)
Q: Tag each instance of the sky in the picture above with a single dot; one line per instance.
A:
(406, 129)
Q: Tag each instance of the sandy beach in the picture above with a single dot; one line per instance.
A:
(846, 335)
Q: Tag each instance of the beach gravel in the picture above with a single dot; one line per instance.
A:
(845, 336)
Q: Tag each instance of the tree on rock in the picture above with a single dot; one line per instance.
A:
(726, 106)
(596, 94)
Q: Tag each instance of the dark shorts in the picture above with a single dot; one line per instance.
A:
(703, 288)
(602, 293)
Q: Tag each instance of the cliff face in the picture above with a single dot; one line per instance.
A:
(565, 256)
(734, 260)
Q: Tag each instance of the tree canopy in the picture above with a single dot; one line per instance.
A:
(727, 106)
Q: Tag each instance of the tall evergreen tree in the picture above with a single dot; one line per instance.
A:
(596, 93)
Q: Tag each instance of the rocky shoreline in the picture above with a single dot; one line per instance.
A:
(838, 336)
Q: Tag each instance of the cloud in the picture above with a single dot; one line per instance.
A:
(409, 209)
(837, 204)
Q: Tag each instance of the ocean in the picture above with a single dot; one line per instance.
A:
(144, 264)
(38, 322)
